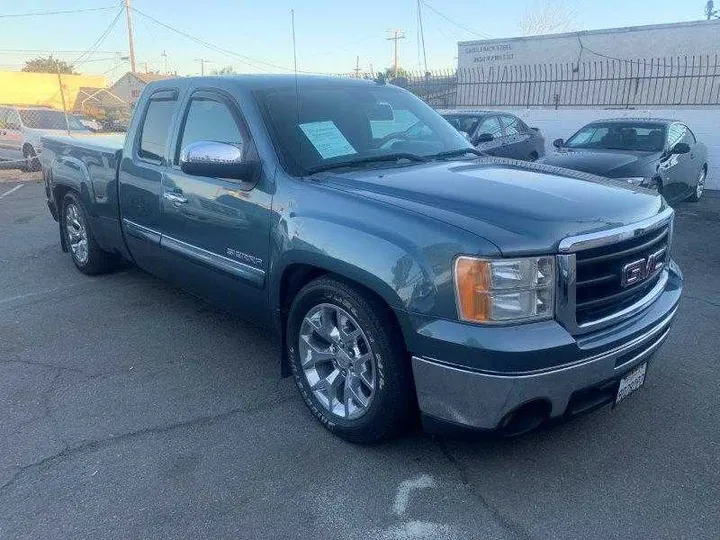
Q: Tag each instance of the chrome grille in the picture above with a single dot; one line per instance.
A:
(593, 291)
(599, 274)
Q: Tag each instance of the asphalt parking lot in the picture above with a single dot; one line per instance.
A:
(129, 409)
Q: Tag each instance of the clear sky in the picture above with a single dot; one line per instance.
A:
(330, 33)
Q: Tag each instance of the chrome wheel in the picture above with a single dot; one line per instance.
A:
(700, 184)
(76, 233)
(337, 361)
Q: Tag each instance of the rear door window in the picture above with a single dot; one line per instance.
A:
(492, 126)
(512, 125)
(156, 128)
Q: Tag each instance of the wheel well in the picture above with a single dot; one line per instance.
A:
(295, 277)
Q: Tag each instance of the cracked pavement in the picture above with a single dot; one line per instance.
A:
(133, 410)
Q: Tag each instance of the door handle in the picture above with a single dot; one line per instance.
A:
(175, 198)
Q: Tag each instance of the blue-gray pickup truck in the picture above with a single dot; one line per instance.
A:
(406, 275)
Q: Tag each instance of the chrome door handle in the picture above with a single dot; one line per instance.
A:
(175, 198)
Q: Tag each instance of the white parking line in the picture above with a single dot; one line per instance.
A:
(8, 192)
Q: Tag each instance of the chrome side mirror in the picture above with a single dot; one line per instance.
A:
(219, 160)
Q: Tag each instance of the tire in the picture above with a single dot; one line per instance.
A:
(700, 186)
(362, 413)
(31, 163)
(84, 250)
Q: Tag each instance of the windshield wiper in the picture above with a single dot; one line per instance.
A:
(367, 160)
(457, 153)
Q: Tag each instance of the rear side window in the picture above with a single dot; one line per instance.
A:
(676, 132)
(689, 137)
(210, 120)
(155, 129)
(492, 126)
(513, 125)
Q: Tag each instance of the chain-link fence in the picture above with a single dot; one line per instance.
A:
(33, 105)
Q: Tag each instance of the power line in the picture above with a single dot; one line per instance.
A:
(448, 19)
(243, 58)
(84, 56)
(53, 51)
(59, 12)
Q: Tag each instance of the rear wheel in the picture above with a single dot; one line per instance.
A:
(347, 361)
(84, 250)
(700, 186)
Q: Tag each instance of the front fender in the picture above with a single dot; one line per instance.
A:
(403, 257)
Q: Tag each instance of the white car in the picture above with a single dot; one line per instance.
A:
(21, 128)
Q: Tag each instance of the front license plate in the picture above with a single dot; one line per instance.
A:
(631, 382)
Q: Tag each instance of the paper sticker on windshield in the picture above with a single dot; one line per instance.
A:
(327, 139)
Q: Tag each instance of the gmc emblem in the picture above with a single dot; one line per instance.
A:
(640, 270)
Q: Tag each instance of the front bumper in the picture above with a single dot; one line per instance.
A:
(486, 398)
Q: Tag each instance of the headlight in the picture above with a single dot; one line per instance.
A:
(634, 180)
(505, 290)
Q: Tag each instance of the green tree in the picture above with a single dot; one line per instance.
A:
(227, 70)
(48, 64)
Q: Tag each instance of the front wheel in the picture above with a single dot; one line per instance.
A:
(700, 186)
(347, 361)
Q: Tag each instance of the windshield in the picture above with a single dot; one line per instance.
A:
(641, 137)
(46, 119)
(350, 123)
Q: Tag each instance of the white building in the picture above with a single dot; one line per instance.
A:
(129, 87)
(698, 38)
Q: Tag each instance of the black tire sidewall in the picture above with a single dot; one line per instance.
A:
(390, 402)
(96, 261)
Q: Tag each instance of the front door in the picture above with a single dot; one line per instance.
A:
(216, 230)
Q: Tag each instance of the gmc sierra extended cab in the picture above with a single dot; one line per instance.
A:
(400, 269)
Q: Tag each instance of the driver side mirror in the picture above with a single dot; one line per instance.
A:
(680, 148)
(558, 143)
(219, 160)
(483, 138)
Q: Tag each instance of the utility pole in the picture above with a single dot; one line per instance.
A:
(146, 66)
(202, 61)
(357, 66)
(422, 34)
(396, 35)
(164, 55)
(131, 41)
(292, 22)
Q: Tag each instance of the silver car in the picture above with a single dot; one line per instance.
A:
(21, 129)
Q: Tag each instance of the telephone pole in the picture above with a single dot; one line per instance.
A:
(396, 35)
(164, 56)
(131, 41)
(422, 34)
(202, 61)
(357, 66)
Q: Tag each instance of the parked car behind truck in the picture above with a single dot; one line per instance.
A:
(498, 133)
(396, 267)
(657, 153)
(21, 129)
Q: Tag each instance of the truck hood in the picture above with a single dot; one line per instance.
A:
(611, 163)
(521, 208)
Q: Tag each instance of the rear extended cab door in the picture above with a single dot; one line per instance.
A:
(215, 232)
(141, 170)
